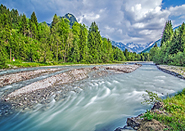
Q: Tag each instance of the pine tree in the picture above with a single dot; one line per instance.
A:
(94, 43)
(83, 44)
(75, 50)
(181, 44)
(55, 20)
(69, 45)
(15, 18)
(75, 53)
(44, 36)
(33, 26)
(167, 33)
(175, 43)
(64, 28)
(56, 41)
(23, 26)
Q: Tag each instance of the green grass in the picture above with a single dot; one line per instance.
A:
(21, 64)
(175, 110)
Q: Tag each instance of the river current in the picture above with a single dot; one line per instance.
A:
(102, 104)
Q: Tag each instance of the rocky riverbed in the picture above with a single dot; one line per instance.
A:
(53, 88)
(25, 75)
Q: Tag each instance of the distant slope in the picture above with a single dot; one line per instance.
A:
(131, 47)
(150, 47)
(71, 18)
(158, 43)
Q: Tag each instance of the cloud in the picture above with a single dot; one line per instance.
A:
(137, 21)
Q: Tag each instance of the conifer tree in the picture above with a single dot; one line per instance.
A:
(55, 20)
(181, 45)
(44, 36)
(33, 26)
(167, 33)
(23, 25)
(64, 28)
(83, 44)
(94, 43)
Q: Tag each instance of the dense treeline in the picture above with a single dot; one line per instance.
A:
(172, 49)
(27, 40)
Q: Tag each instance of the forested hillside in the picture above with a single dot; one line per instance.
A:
(25, 39)
(172, 50)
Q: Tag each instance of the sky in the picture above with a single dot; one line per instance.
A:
(126, 21)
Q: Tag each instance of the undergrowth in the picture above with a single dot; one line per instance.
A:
(173, 112)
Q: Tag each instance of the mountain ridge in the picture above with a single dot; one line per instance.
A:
(131, 47)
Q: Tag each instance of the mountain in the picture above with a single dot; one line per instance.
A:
(151, 46)
(71, 18)
(158, 43)
(131, 47)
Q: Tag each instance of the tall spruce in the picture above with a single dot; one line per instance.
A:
(64, 28)
(23, 25)
(84, 51)
(33, 23)
(167, 33)
(44, 37)
(55, 20)
(94, 43)
(181, 45)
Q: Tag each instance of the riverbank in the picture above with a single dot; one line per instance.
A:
(20, 64)
(173, 70)
(167, 114)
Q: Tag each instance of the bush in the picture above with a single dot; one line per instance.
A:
(151, 98)
(148, 116)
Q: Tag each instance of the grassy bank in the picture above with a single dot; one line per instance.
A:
(172, 114)
(175, 112)
(21, 64)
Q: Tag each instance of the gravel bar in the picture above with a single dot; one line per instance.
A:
(21, 76)
(124, 68)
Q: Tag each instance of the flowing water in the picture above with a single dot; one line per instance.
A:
(102, 104)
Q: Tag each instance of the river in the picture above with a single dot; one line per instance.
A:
(102, 104)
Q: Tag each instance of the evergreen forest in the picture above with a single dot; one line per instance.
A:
(25, 39)
(172, 49)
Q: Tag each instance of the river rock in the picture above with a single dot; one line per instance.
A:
(125, 128)
(158, 105)
(152, 125)
(135, 122)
